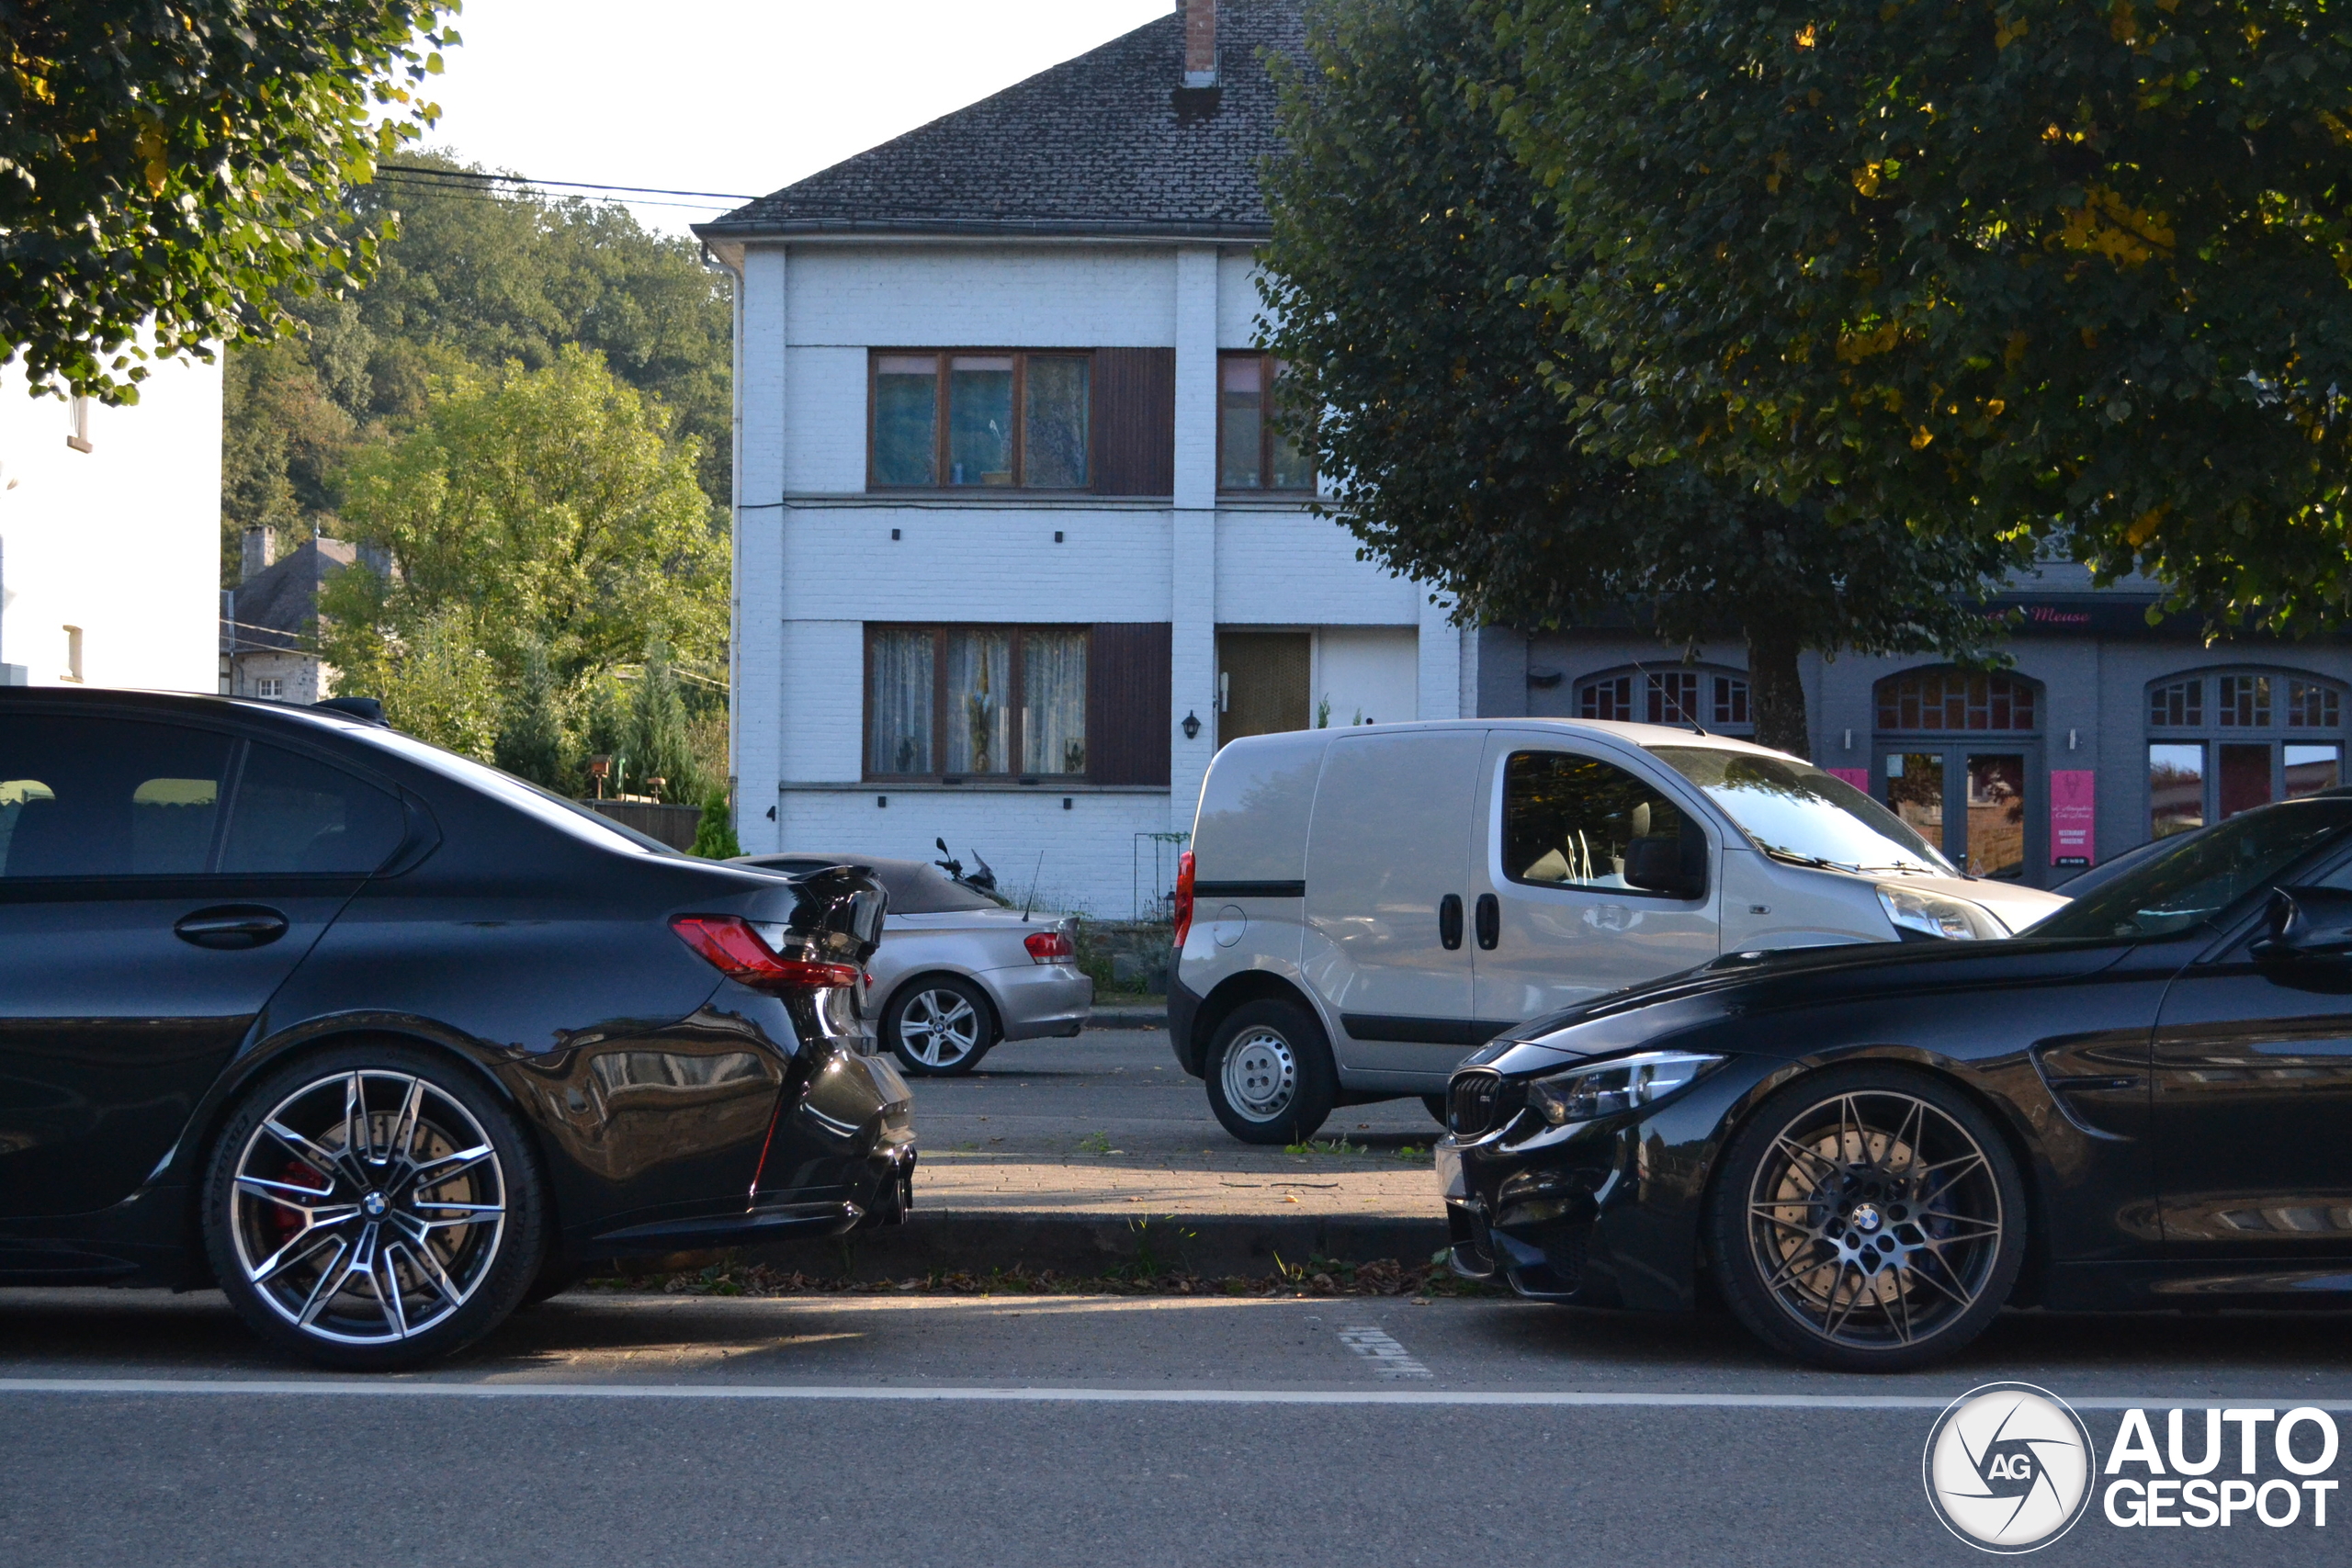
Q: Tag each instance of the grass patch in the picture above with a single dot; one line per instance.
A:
(1338, 1145)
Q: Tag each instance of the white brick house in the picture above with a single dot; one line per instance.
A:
(995, 422)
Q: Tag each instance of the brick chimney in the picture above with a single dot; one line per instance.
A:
(1200, 43)
(260, 549)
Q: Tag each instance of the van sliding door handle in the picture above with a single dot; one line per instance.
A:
(1449, 921)
(1490, 920)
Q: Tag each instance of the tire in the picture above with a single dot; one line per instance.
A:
(939, 1026)
(1435, 1105)
(554, 1278)
(1270, 1075)
(1868, 1219)
(292, 1214)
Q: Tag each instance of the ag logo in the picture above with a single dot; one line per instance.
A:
(2008, 1467)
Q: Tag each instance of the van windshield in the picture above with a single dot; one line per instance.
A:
(1796, 812)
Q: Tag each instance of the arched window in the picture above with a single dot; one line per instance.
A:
(1714, 698)
(1932, 702)
(2220, 741)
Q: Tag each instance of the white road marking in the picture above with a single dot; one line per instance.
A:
(1391, 1359)
(390, 1388)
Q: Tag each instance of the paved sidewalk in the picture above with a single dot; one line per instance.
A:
(1078, 1155)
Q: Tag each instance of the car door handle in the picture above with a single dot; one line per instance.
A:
(231, 925)
(1449, 921)
(1490, 920)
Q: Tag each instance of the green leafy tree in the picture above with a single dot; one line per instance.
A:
(2077, 268)
(549, 505)
(1403, 226)
(171, 169)
(714, 834)
(660, 744)
(437, 683)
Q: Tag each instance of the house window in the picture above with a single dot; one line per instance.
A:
(1250, 453)
(1674, 699)
(2265, 737)
(1954, 700)
(270, 687)
(973, 702)
(1731, 702)
(1609, 699)
(77, 423)
(979, 420)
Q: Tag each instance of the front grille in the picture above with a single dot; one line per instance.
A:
(1472, 1101)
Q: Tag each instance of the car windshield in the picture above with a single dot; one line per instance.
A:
(1796, 812)
(2188, 886)
(545, 805)
(914, 887)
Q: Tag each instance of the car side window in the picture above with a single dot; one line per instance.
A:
(1571, 821)
(107, 797)
(293, 815)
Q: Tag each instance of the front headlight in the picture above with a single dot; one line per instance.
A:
(1938, 915)
(1621, 1083)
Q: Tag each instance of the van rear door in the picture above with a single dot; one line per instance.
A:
(1388, 861)
(1558, 913)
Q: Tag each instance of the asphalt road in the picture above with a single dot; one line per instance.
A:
(621, 1430)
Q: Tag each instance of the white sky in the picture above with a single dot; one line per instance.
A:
(735, 95)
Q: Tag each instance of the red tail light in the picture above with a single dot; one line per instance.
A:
(1050, 947)
(733, 946)
(1183, 897)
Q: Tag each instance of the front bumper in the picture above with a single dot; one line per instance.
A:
(1038, 1001)
(1600, 1213)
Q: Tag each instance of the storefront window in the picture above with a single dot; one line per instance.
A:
(2249, 741)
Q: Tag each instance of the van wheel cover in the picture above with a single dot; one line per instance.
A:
(1261, 1076)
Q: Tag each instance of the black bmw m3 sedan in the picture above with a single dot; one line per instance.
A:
(2143, 1101)
(385, 1042)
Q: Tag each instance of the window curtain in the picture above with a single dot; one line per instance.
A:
(897, 706)
(1053, 715)
(979, 678)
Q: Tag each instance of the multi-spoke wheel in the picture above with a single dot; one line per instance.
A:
(939, 1026)
(1868, 1219)
(1270, 1074)
(373, 1208)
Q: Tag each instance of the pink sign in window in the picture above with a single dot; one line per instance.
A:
(2072, 816)
(1858, 777)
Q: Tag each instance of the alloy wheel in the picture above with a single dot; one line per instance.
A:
(367, 1207)
(939, 1028)
(1874, 1219)
(1260, 1075)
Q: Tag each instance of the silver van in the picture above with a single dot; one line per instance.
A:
(1362, 906)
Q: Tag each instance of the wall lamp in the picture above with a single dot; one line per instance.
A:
(1191, 726)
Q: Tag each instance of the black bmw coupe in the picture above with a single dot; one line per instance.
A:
(386, 1041)
(2143, 1101)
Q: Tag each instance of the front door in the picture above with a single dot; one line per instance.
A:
(2253, 1068)
(1388, 859)
(1554, 919)
(1972, 801)
(148, 908)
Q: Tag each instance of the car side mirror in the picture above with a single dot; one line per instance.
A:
(1675, 866)
(2306, 923)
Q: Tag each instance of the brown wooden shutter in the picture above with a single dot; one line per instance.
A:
(1126, 704)
(1133, 418)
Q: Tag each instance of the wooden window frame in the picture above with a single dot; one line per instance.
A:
(1266, 362)
(1016, 740)
(940, 430)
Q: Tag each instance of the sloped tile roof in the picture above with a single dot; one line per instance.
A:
(1109, 143)
(277, 607)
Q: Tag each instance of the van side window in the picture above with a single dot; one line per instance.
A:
(1570, 821)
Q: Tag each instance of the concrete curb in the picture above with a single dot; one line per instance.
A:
(943, 1242)
(1127, 1017)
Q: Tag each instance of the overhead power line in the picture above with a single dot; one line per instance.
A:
(470, 176)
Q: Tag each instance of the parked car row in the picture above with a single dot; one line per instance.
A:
(387, 1042)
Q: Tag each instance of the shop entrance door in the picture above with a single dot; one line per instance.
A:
(1973, 801)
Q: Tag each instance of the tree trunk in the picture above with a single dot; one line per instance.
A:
(1775, 695)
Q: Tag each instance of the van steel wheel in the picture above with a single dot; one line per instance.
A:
(373, 1209)
(1270, 1077)
(1869, 1220)
(939, 1026)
